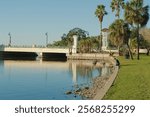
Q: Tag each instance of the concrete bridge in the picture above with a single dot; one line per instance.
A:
(34, 49)
(32, 53)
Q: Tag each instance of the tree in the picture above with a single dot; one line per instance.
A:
(75, 31)
(119, 34)
(127, 33)
(100, 13)
(116, 5)
(136, 14)
(67, 39)
(79, 32)
(85, 45)
(116, 33)
(145, 32)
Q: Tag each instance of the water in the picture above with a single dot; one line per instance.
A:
(37, 80)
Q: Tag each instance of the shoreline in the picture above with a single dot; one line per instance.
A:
(101, 84)
(91, 92)
(102, 91)
(100, 87)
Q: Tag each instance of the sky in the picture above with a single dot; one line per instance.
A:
(29, 20)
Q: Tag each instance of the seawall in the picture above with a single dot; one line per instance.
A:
(99, 90)
(90, 56)
(102, 91)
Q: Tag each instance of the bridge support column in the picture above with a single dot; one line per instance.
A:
(41, 54)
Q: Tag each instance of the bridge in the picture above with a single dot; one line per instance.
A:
(33, 53)
(34, 49)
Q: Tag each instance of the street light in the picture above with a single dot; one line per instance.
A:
(9, 44)
(46, 38)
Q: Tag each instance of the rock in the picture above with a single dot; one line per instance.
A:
(78, 90)
(75, 96)
(86, 88)
(94, 62)
(90, 92)
(68, 92)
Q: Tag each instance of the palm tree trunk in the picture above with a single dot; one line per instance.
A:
(100, 36)
(130, 51)
(138, 43)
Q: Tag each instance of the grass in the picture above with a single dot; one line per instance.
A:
(133, 80)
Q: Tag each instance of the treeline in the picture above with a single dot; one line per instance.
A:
(126, 33)
(126, 29)
(86, 43)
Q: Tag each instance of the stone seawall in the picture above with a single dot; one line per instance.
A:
(95, 56)
(103, 90)
(110, 80)
(101, 84)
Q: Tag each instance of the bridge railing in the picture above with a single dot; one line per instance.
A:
(33, 46)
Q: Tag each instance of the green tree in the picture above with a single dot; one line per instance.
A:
(75, 31)
(79, 32)
(67, 39)
(133, 40)
(116, 5)
(126, 37)
(100, 13)
(116, 33)
(137, 15)
(145, 33)
(120, 34)
(85, 45)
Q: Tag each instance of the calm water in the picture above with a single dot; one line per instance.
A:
(37, 80)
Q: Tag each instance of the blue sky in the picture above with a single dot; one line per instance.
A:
(29, 20)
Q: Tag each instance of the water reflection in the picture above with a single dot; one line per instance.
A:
(85, 70)
(1, 67)
(45, 80)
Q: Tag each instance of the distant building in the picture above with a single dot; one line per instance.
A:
(105, 40)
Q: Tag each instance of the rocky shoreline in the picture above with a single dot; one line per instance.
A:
(90, 92)
(100, 84)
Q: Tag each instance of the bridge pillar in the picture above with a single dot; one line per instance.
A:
(41, 54)
(75, 41)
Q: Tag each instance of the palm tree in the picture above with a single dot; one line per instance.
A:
(119, 34)
(100, 12)
(116, 34)
(127, 33)
(85, 45)
(116, 5)
(137, 15)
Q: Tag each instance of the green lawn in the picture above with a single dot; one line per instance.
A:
(133, 80)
